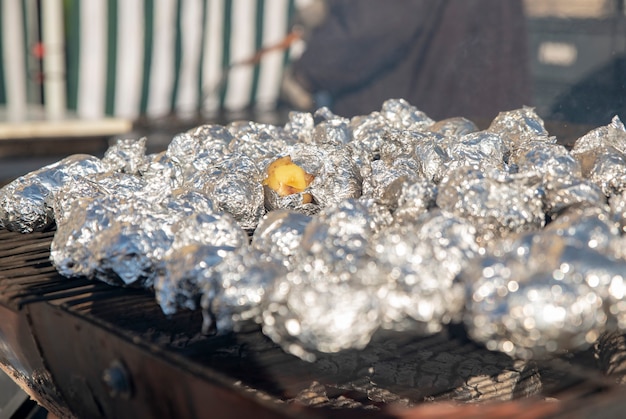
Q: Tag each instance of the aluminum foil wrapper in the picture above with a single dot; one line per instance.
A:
(279, 235)
(24, 203)
(369, 133)
(338, 235)
(300, 126)
(200, 241)
(234, 184)
(454, 127)
(617, 204)
(608, 170)
(307, 309)
(530, 314)
(403, 142)
(402, 115)
(602, 156)
(383, 174)
(611, 135)
(438, 154)
(237, 292)
(433, 154)
(497, 203)
(547, 292)
(116, 240)
(94, 186)
(561, 174)
(126, 156)
(483, 150)
(408, 198)
(333, 130)
(114, 233)
(199, 148)
(256, 140)
(163, 172)
(420, 262)
(518, 126)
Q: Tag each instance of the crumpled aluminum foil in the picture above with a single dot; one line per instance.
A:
(420, 261)
(121, 185)
(438, 154)
(126, 156)
(602, 156)
(454, 127)
(420, 223)
(518, 126)
(530, 314)
(115, 234)
(611, 135)
(338, 235)
(307, 309)
(548, 291)
(333, 130)
(279, 234)
(562, 181)
(407, 199)
(234, 184)
(199, 242)
(24, 202)
(113, 239)
(617, 204)
(497, 203)
(402, 115)
(608, 170)
(256, 140)
(237, 292)
(383, 174)
(300, 126)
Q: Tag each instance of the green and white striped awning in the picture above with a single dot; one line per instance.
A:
(132, 58)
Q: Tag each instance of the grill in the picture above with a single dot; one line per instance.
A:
(86, 349)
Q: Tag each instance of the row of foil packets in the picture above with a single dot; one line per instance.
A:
(413, 224)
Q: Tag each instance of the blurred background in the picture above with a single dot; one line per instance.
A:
(75, 74)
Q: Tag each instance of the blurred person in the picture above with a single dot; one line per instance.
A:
(448, 58)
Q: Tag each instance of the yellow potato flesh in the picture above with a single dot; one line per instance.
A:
(286, 178)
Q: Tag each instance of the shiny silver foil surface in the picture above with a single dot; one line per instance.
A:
(601, 154)
(407, 198)
(279, 235)
(518, 126)
(420, 261)
(550, 291)
(126, 156)
(24, 202)
(307, 309)
(200, 242)
(234, 184)
(454, 127)
(611, 135)
(496, 202)
(407, 224)
(257, 140)
(400, 114)
(238, 289)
